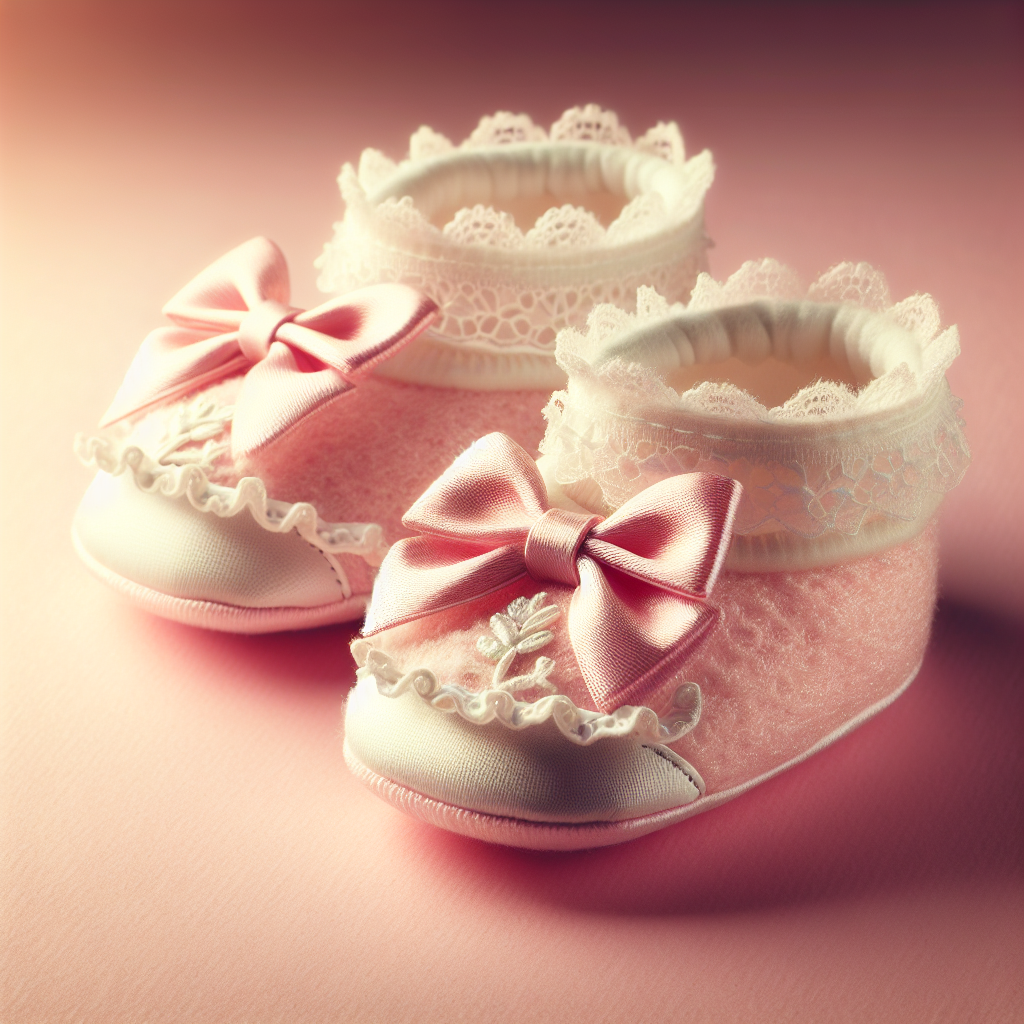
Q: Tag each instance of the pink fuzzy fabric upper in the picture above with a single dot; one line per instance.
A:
(798, 654)
(368, 455)
(372, 452)
(794, 657)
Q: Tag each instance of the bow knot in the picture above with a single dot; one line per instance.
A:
(553, 543)
(640, 577)
(259, 325)
(234, 318)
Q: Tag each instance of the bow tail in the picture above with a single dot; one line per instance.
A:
(423, 575)
(630, 637)
(275, 395)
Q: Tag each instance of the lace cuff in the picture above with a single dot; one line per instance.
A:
(833, 472)
(430, 222)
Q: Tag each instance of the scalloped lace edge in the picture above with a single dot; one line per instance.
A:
(365, 540)
(561, 229)
(818, 403)
(564, 227)
(579, 725)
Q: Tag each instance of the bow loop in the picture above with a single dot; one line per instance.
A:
(640, 576)
(217, 299)
(492, 493)
(670, 534)
(235, 318)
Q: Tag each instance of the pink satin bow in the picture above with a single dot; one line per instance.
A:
(234, 317)
(641, 575)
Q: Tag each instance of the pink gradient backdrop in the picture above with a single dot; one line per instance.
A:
(181, 841)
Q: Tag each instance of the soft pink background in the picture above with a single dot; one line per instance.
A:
(181, 841)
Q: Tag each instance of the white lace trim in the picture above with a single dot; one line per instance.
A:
(826, 460)
(366, 540)
(853, 284)
(500, 285)
(485, 706)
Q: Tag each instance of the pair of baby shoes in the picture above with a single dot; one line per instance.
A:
(724, 558)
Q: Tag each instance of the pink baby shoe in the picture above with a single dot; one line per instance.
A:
(228, 498)
(176, 517)
(546, 666)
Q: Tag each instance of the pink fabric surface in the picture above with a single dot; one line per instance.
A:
(180, 839)
(398, 438)
(795, 655)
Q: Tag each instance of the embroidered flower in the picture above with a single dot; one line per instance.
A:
(521, 629)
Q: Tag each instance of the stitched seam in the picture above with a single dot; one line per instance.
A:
(337, 578)
(665, 757)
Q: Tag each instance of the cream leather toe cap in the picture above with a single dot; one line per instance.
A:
(533, 774)
(166, 545)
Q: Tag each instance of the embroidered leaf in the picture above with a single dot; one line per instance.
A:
(197, 421)
(540, 619)
(504, 628)
(534, 641)
(520, 610)
(501, 670)
(205, 431)
(520, 630)
(536, 680)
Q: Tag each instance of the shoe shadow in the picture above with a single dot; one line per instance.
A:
(928, 791)
(303, 662)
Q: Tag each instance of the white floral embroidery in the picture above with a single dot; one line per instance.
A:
(200, 421)
(521, 629)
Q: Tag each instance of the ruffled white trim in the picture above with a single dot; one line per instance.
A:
(482, 707)
(366, 540)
